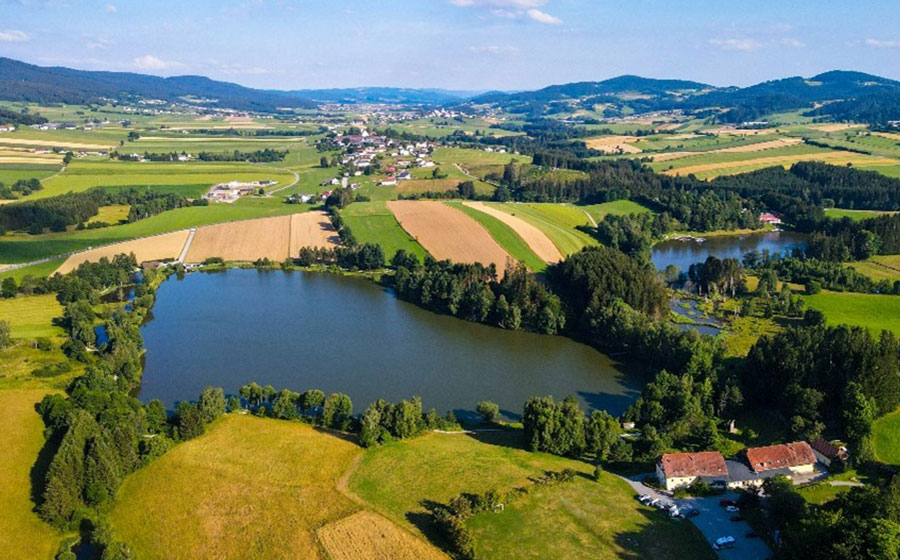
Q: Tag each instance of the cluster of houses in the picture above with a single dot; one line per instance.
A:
(798, 461)
(233, 190)
(7, 127)
(360, 151)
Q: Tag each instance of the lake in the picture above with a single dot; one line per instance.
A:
(305, 330)
(684, 253)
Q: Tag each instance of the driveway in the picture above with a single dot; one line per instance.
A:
(714, 522)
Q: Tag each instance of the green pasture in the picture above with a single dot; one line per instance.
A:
(873, 311)
(505, 236)
(557, 221)
(372, 222)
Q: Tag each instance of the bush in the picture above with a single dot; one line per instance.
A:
(488, 411)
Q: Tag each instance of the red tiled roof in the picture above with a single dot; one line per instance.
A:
(706, 463)
(780, 456)
(827, 449)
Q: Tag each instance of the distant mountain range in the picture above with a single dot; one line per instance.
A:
(835, 94)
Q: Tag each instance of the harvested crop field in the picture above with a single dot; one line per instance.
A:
(614, 143)
(447, 233)
(52, 144)
(272, 238)
(759, 146)
(834, 158)
(368, 535)
(157, 247)
(542, 246)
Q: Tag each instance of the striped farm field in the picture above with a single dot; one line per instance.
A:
(372, 222)
(157, 247)
(536, 239)
(557, 221)
(272, 238)
(368, 535)
(448, 233)
(505, 236)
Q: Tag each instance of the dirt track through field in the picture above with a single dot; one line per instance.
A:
(448, 233)
(272, 238)
(366, 534)
(165, 246)
(537, 240)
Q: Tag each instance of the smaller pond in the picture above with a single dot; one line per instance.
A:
(700, 321)
(685, 252)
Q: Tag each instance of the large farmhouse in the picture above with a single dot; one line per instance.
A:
(682, 469)
(794, 460)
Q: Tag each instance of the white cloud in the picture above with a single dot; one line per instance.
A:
(111, 9)
(495, 50)
(745, 45)
(883, 44)
(543, 17)
(512, 9)
(97, 42)
(13, 36)
(150, 62)
(793, 43)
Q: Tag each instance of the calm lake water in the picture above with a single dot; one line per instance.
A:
(302, 330)
(684, 253)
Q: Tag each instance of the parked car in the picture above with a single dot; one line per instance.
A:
(731, 509)
(726, 503)
(736, 518)
(644, 498)
(654, 502)
(724, 542)
(690, 512)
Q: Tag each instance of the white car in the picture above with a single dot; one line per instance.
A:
(732, 509)
(725, 542)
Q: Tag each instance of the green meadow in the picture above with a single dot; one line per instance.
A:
(886, 438)
(372, 222)
(557, 221)
(505, 236)
(873, 311)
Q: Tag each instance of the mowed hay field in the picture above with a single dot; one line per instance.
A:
(165, 246)
(448, 233)
(367, 535)
(557, 221)
(535, 238)
(22, 534)
(585, 519)
(32, 316)
(248, 488)
(273, 238)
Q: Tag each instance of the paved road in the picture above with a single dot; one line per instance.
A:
(714, 522)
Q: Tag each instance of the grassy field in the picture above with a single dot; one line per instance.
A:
(876, 312)
(857, 215)
(22, 534)
(249, 488)
(886, 435)
(111, 214)
(586, 519)
(32, 316)
(617, 208)
(880, 267)
(12, 172)
(505, 236)
(36, 270)
(26, 248)
(557, 221)
(372, 222)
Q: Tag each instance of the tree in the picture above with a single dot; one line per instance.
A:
(466, 189)
(311, 400)
(156, 416)
(337, 411)
(285, 405)
(858, 415)
(5, 337)
(188, 421)
(601, 432)
(371, 431)
(323, 162)
(211, 404)
(489, 411)
(8, 288)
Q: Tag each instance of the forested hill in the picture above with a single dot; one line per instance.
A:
(20, 81)
(389, 95)
(863, 96)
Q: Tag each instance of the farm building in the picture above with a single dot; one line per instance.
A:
(826, 453)
(681, 469)
(769, 218)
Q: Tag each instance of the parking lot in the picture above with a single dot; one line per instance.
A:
(715, 522)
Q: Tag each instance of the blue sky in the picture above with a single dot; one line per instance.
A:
(456, 44)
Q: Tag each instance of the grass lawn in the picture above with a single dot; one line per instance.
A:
(372, 222)
(885, 267)
(32, 316)
(505, 236)
(249, 488)
(586, 519)
(820, 493)
(22, 534)
(36, 270)
(877, 312)
(25, 248)
(112, 214)
(557, 221)
(886, 436)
